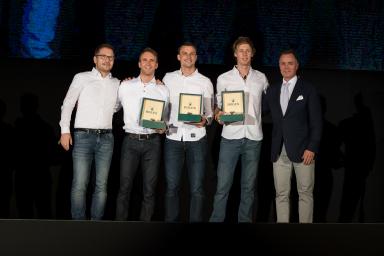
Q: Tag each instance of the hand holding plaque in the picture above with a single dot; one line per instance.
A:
(190, 107)
(152, 114)
(233, 106)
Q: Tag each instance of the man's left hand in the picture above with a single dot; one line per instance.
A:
(160, 131)
(308, 157)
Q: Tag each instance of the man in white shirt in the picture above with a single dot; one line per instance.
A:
(186, 141)
(240, 139)
(141, 146)
(95, 94)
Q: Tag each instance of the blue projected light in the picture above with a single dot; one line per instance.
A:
(324, 33)
(39, 23)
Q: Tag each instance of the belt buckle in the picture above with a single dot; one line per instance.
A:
(98, 131)
(143, 137)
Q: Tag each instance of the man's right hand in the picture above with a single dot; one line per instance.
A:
(159, 82)
(66, 140)
(218, 115)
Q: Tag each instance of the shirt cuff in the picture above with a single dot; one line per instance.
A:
(65, 130)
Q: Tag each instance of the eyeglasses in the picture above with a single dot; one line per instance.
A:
(106, 57)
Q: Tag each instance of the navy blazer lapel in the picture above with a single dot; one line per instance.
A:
(277, 97)
(296, 92)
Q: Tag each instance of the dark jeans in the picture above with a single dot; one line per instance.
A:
(135, 152)
(175, 153)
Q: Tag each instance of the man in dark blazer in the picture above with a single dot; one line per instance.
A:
(297, 122)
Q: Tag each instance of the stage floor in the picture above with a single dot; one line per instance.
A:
(53, 237)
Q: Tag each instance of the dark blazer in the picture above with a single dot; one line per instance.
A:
(300, 127)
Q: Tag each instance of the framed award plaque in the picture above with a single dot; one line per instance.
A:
(190, 107)
(151, 115)
(233, 106)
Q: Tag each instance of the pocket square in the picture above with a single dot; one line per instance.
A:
(300, 98)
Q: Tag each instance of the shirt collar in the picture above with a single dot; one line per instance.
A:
(151, 82)
(98, 74)
(192, 74)
(291, 81)
(238, 72)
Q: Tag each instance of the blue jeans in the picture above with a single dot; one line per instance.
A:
(230, 151)
(175, 153)
(89, 147)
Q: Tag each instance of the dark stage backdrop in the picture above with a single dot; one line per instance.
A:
(43, 44)
(350, 165)
(333, 34)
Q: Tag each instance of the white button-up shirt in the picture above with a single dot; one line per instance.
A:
(131, 94)
(253, 86)
(195, 83)
(96, 99)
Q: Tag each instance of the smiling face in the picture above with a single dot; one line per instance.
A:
(243, 54)
(288, 66)
(187, 57)
(104, 60)
(148, 64)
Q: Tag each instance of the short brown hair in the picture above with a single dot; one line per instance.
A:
(105, 45)
(149, 49)
(243, 40)
(289, 51)
(186, 44)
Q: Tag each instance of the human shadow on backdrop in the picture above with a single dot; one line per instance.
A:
(6, 162)
(357, 138)
(328, 159)
(35, 146)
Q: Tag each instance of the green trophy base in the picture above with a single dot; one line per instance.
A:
(153, 124)
(189, 118)
(231, 118)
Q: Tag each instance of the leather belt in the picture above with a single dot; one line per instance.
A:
(141, 136)
(94, 131)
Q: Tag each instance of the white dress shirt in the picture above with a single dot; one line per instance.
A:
(291, 85)
(96, 99)
(131, 94)
(195, 83)
(253, 86)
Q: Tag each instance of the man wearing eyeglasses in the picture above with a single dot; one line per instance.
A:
(95, 95)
